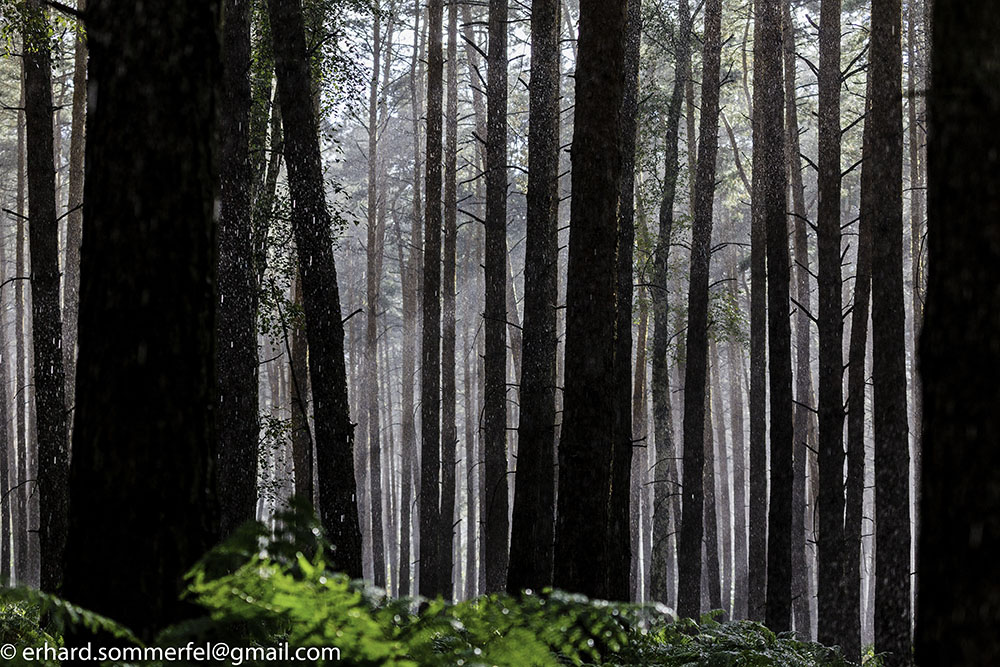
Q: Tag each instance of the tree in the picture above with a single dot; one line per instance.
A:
(145, 375)
(449, 428)
(533, 521)
(43, 237)
(830, 607)
(311, 223)
(664, 488)
(892, 453)
(430, 349)
(236, 332)
(695, 378)
(958, 614)
(804, 425)
(770, 203)
(495, 407)
(588, 433)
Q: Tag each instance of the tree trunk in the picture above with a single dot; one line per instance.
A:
(958, 612)
(321, 298)
(533, 521)
(495, 407)
(21, 515)
(588, 433)
(665, 484)
(721, 453)
(892, 455)
(695, 377)
(373, 275)
(149, 197)
(712, 574)
(449, 428)
(236, 329)
(803, 426)
(640, 462)
(770, 199)
(831, 621)
(740, 574)
(43, 237)
(74, 217)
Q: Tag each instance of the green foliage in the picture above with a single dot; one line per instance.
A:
(263, 589)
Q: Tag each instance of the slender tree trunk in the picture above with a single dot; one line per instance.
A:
(321, 298)
(892, 455)
(665, 483)
(21, 389)
(740, 574)
(149, 197)
(533, 522)
(471, 500)
(640, 462)
(43, 236)
(589, 427)
(958, 613)
(832, 622)
(689, 596)
(495, 408)
(6, 433)
(74, 217)
(618, 527)
(856, 387)
(770, 206)
(373, 274)
(302, 443)
(724, 495)
(803, 427)
(236, 329)
(449, 428)
(712, 573)
(430, 374)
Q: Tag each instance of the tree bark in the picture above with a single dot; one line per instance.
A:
(334, 434)
(43, 237)
(449, 428)
(149, 197)
(495, 407)
(892, 455)
(770, 199)
(588, 433)
(689, 596)
(236, 329)
(533, 523)
(959, 588)
(665, 484)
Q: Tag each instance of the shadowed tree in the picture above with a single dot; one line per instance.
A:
(145, 376)
(311, 224)
(533, 522)
(959, 608)
(696, 376)
(588, 432)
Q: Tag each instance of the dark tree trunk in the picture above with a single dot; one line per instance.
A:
(373, 279)
(803, 426)
(740, 573)
(236, 329)
(770, 187)
(534, 491)
(892, 454)
(302, 443)
(334, 433)
(618, 541)
(856, 387)
(588, 432)
(408, 270)
(959, 533)
(46, 334)
(149, 197)
(830, 603)
(449, 429)
(21, 511)
(74, 216)
(665, 485)
(495, 407)
(695, 377)
(430, 373)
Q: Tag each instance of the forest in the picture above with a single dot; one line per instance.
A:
(547, 332)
